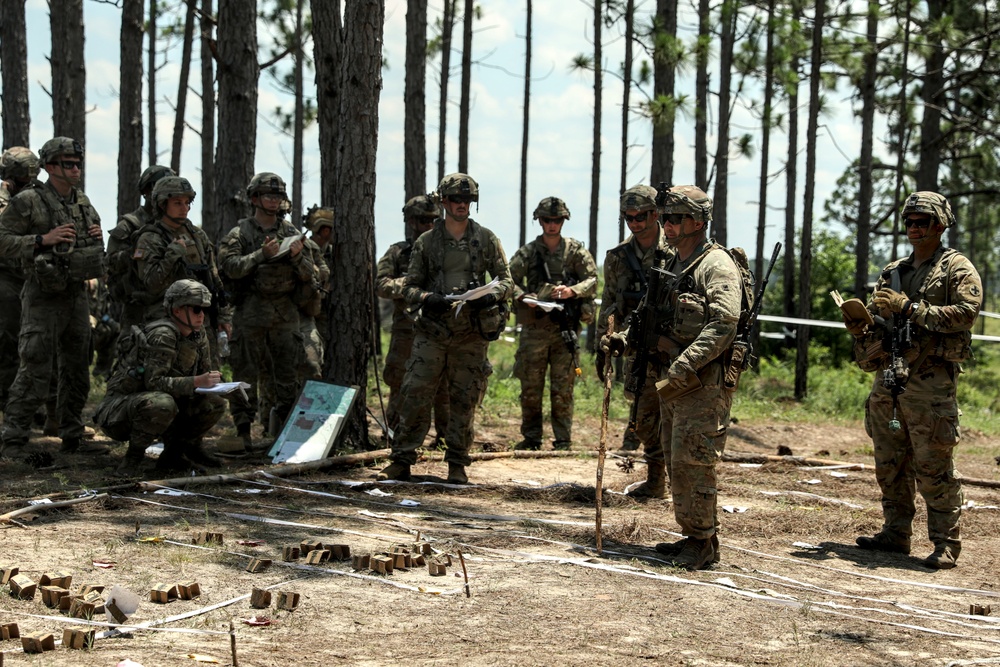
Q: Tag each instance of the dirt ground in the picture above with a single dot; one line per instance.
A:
(791, 588)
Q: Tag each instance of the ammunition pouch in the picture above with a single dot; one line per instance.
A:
(739, 360)
(954, 347)
(274, 279)
(689, 316)
(868, 351)
(490, 322)
(309, 298)
(50, 271)
(86, 260)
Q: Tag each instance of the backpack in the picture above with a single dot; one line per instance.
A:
(128, 373)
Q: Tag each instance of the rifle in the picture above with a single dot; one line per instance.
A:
(643, 334)
(898, 339)
(742, 350)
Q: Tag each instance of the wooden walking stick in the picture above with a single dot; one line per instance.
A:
(602, 448)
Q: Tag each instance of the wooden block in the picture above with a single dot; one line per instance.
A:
(436, 568)
(361, 561)
(318, 556)
(422, 548)
(339, 551)
(163, 593)
(52, 594)
(22, 587)
(260, 599)
(117, 614)
(188, 590)
(83, 589)
(61, 578)
(78, 638)
(290, 554)
(38, 642)
(419, 560)
(401, 561)
(83, 609)
(206, 537)
(8, 573)
(9, 631)
(309, 545)
(66, 601)
(399, 549)
(258, 565)
(381, 564)
(288, 600)
(979, 610)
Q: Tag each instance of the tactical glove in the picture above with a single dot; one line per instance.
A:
(678, 375)
(890, 300)
(436, 304)
(483, 302)
(856, 327)
(613, 344)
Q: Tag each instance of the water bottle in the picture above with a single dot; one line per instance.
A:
(223, 344)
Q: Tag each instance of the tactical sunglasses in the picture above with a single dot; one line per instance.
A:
(461, 199)
(638, 217)
(922, 223)
(552, 221)
(673, 218)
(69, 164)
(197, 310)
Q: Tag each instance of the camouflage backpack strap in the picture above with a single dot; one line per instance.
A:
(57, 211)
(635, 266)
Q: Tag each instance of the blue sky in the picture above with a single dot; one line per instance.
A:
(561, 124)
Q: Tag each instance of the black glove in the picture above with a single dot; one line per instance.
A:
(599, 360)
(483, 302)
(436, 304)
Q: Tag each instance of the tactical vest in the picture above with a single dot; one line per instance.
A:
(58, 267)
(271, 278)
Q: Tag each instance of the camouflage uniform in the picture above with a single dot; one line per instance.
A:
(625, 268)
(310, 297)
(535, 270)
(11, 282)
(123, 278)
(389, 279)
(266, 317)
(448, 347)
(55, 315)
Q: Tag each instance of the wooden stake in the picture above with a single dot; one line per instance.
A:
(602, 447)
(465, 573)
(6, 518)
(232, 643)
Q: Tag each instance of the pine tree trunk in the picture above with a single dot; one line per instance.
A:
(463, 107)
(524, 130)
(151, 77)
(765, 151)
(903, 129)
(297, 148)
(932, 97)
(69, 72)
(327, 56)
(238, 74)
(414, 90)
(448, 23)
(626, 103)
(209, 220)
(662, 168)
(701, 97)
(14, 65)
(789, 275)
(182, 90)
(720, 223)
(865, 174)
(130, 108)
(595, 170)
(352, 313)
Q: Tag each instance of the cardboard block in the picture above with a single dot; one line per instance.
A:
(163, 593)
(361, 561)
(419, 560)
(188, 590)
(401, 561)
(260, 598)
(206, 537)
(62, 579)
(81, 608)
(52, 594)
(116, 614)
(288, 600)
(38, 642)
(78, 638)
(339, 551)
(8, 573)
(258, 565)
(22, 587)
(66, 601)
(318, 556)
(422, 548)
(979, 610)
(309, 545)
(381, 564)
(436, 568)
(9, 631)
(83, 589)
(289, 554)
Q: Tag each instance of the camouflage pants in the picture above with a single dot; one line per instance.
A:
(694, 430)
(542, 347)
(311, 365)
(10, 327)
(400, 349)
(457, 361)
(647, 420)
(919, 456)
(54, 328)
(143, 417)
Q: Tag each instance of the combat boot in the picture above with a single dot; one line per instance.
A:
(655, 484)
(456, 474)
(196, 453)
(172, 459)
(944, 557)
(249, 446)
(884, 541)
(131, 464)
(562, 445)
(674, 548)
(80, 446)
(696, 554)
(12, 449)
(528, 445)
(396, 470)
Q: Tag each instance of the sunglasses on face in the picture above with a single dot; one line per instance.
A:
(673, 218)
(69, 164)
(461, 199)
(197, 310)
(551, 221)
(922, 223)
(638, 217)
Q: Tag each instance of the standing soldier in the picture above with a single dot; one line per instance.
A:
(419, 214)
(450, 344)
(625, 268)
(319, 220)
(123, 275)
(309, 296)
(56, 233)
(692, 352)
(559, 269)
(262, 257)
(926, 337)
(18, 170)
(151, 393)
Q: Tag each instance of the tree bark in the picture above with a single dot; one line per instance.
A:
(182, 89)
(352, 313)
(789, 274)
(463, 107)
(300, 115)
(903, 129)
(69, 72)
(664, 66)
(932, 97)
(626, 103)
(720, 224)
(209, 220)
(238, 74)
(151, 77)
(765, 140)
(327, 56)
(448, 23)
(14, 65)
(130, 108)
(865, 175)
(524, 131)
(595, 170)
(414, 90)
(701, 97)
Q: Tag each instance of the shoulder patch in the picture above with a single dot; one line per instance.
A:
(138, 254)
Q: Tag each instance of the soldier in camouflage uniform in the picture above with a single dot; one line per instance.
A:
(310, 297)
(556, 269)
(151, 393)
(625, 268)
(419, 214)
(691, 356)
(915, 432)
(319, 219)
(18, 170)
(456, 254)
(56, 233)
(123, 274)
(263, 282)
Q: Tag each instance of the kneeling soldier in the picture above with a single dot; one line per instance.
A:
(151, 393)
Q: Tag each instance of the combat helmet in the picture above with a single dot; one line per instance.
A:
(459, 184)
(171, 186)
(638, 198)
(318, 217)
(930, 203)
(19, 163)
(421, 206)
(186, 292)
(266, 183)
(551, 207)
(53, 148)
(152, 174)
(686, 200)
